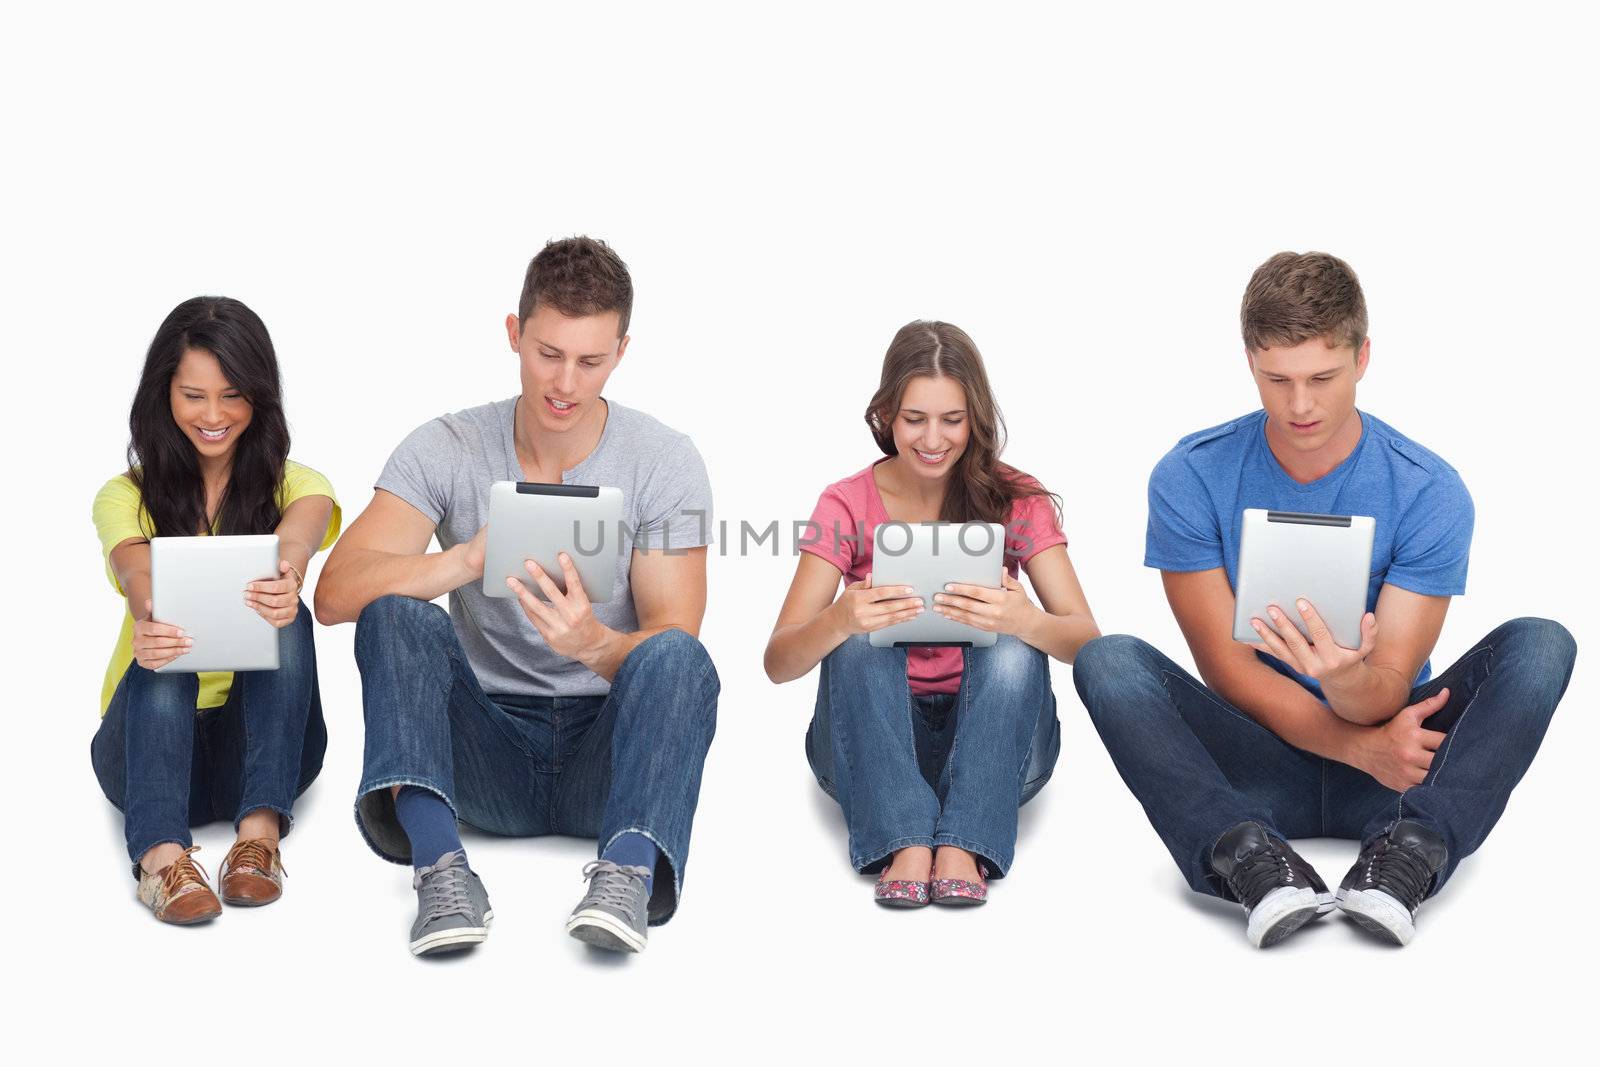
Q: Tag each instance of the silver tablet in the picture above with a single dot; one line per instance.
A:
(538, 521)
(1284, 555)
(198, 583)
(927, 555)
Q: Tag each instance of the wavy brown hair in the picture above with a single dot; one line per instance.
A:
(982, 489)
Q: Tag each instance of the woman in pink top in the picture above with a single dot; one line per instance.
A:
(930, 751)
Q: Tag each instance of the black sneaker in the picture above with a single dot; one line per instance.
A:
(1279, 890)
(1390, 878)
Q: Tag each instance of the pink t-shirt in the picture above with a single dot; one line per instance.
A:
(853, 508)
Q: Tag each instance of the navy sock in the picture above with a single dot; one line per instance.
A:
(429, 824)
(634, 850)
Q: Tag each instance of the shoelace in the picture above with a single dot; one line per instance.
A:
(1260, 872)
(256, 852)
(444, 888)
(183, 873)
(1397, 871)
(614, 886)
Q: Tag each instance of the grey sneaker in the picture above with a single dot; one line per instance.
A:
(452, 907)
(614, 914)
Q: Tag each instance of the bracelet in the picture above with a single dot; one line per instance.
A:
(299, 581)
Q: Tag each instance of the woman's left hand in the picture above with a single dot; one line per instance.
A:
(1002, 611)
(277, 601)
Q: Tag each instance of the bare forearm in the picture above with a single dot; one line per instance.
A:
(794, 649)
(297, 553)
(137, 585)
(605, 657)
(1282, 706)
(1060, 636)
(355, 577)
(1371, 695)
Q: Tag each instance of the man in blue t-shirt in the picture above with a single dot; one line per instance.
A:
(1295, 735)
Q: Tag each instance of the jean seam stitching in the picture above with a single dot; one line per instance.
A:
(1450, 740)
(1205, 691)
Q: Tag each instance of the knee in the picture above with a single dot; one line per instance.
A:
(1541, 652)
(1012, 661)
(1545, 638)
(153, 694)
(1111, 654)
(854, 653)
(677, 652)
(295, 641)
(391, 616)
(1110, 661)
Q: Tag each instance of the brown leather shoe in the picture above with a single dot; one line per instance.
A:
(179, 893)
(252, 873)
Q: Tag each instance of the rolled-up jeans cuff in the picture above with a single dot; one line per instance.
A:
(375, 817)
(285, 815)
(865, 861)
(137, 853)
(996, 862)
(664, 897)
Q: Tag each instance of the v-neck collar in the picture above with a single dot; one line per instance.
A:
(1286, 482)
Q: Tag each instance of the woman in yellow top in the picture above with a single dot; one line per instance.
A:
(209, 454)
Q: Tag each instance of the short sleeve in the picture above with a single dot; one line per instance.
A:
(675, 501)
(1433, 539)
(1182, 533)
(301, 481)
(416, 470)
(834, 532)
(118, 515)
(1033, 528)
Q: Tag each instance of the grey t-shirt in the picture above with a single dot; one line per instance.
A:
(444, 469)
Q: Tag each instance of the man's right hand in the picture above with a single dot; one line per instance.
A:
(863, 609)
(156, 644)
(1399, 753)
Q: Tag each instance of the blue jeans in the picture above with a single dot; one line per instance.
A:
(167, 767)
(1200, 766)
(524, 766)
(947, 769)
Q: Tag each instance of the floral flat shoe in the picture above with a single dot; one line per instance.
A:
(960, 893)
(900, 893)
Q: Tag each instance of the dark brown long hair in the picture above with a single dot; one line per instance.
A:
(982, 489)
(163, 463)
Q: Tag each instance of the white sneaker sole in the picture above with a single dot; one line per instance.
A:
(604, 930)
(1378, 913)
(458, 937)
(1280, 913)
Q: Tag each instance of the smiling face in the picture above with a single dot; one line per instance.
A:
(212, 414)
(932, 426)
(565, 363)
(1309, 393)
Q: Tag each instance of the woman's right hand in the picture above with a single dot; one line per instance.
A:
(156, 644)
(863, 609)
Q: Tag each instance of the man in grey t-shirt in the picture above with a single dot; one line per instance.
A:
(525, 716)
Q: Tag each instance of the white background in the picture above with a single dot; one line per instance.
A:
(1086, 193)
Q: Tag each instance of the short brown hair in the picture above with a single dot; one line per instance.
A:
(578, 276)
(1297, 296)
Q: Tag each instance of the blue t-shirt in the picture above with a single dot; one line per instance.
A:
(1423, 527)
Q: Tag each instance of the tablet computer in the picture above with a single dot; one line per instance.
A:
(926, 556)
(538, 521)
(1284, 555)
(198, 583)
